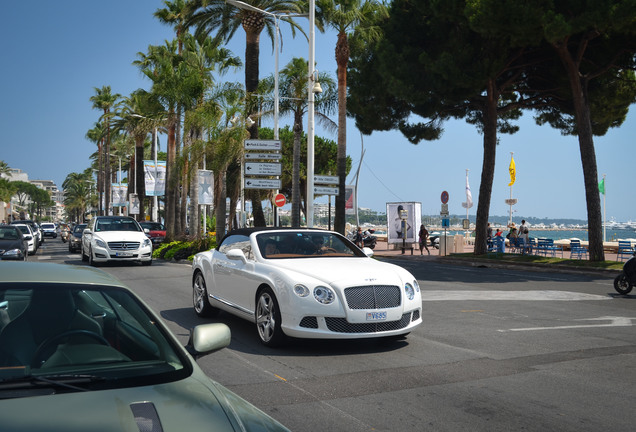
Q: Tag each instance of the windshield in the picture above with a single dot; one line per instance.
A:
(9, 233)
(53, 329)
(117, 224)
(25, 229)
(305, 244)
(79, 228)
(153, 226)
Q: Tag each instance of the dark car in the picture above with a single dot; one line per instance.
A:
(79, 351)
(75, 239)
(13, 244)
(156, 231)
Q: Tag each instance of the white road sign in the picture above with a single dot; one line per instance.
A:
(259, 183)
(262, 168)
(262, 155)
(259, 144)
(323, 190)
(325, 179)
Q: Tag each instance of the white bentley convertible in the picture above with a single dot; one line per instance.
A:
(304, 283)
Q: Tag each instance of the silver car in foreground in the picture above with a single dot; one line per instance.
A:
(80, 351)
(305, 283)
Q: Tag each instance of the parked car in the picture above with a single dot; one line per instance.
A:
(115, 238)
(34, 227)
(75, 238)
(13, 245)
(29, 237)
(48, 229)
(304, 283)
(78, 347)
(156, 231)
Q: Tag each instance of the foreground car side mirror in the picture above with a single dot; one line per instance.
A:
(236, 254)
(368, 251)
(207, 338)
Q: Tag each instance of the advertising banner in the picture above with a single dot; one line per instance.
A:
(206, 187)
(350, 199)
(119, 194)
(155, 178)
(394, 221)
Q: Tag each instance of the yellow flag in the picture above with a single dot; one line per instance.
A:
(511, 168)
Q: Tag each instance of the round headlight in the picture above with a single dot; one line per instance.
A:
(324, 295)
(301, 290)
(410, 292)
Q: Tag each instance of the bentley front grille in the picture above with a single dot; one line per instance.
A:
(373, 297)
(341, 325)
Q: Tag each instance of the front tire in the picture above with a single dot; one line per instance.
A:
(200, 300)
(622, 284)
(268, 319)
(84, 257)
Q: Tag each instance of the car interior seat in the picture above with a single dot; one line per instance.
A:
(50, 313)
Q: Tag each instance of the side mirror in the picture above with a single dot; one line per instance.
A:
(368, 251)
(86, 231)
(146, 230)
(207, 338)
(236, 254)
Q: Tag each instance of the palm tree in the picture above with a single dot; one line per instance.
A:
(77, 194)
(4, 168)
(96, 135)
(347, 16)
(105, 100)
(222, 19)
(140, 114)
(293, 90)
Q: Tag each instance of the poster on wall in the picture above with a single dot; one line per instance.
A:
(394, 221)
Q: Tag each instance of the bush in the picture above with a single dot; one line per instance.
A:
(179, 250)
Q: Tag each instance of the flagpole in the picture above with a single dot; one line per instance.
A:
(510, 202)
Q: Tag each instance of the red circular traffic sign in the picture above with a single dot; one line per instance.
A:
(280, 200)
(444, 197)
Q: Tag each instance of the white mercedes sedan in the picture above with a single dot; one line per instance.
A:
(304, 283)
(115, 239)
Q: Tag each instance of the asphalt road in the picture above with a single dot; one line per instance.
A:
(499, 350)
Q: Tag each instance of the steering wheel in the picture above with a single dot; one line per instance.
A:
(328, 249)
(55, 339)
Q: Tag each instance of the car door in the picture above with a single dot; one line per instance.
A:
(234, 281)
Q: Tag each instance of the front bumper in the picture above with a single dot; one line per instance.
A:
(101, 254)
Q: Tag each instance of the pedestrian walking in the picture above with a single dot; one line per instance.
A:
(423, 235)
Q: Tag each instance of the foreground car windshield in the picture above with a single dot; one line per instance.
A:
(115, 224)
(279, 245)
(101, 332)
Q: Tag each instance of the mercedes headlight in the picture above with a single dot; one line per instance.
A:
(100, 243)
(324, 295)
(147, 242)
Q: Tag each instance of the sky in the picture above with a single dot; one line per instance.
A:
(56, 53)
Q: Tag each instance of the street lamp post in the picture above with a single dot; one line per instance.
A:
(277, 17)
(310, 117)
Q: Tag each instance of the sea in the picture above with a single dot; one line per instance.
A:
(566, 234)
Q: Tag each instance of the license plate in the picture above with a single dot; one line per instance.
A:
(376, 316)
(123, 254)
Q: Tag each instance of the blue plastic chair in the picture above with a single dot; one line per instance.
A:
(625, 250)
(576, 250)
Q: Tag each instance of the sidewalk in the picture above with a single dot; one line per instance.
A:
(382, 249)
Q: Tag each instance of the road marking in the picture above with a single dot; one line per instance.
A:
(615, 322)
(536, 295)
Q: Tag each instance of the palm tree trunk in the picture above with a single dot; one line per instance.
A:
(140, 186)
(170, 185)
(342, 59)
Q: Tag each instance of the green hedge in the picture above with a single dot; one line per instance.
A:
(179, 250)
